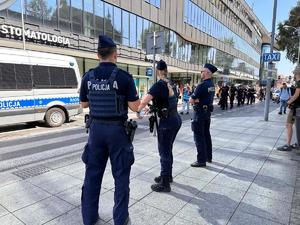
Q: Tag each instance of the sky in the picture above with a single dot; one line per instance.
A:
(264, 11)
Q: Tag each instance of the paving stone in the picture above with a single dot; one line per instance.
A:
(144, 214)
(277, 191)
(204, 212)
(43, 211)
(72, 217)
(19, 195)
(221, 196)
(71, 195)
(266, 207)
(8, 178)
(10, 219)
(203, 174)
(139, 188)
(241, 218)
(179, 221)
(3, 211)
(233, 181)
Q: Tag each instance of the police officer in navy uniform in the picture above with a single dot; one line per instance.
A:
(108, 92)
(165, 100)
(202, 99)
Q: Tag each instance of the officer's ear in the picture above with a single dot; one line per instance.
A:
(98, 56)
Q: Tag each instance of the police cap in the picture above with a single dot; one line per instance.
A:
(161, 65)
(211, 67)
(105, 42)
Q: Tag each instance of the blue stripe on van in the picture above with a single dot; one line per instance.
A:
(39, 102)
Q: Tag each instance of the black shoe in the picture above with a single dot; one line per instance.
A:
(198, 164)
(163, 186)
(158, 179)
(209, 161)
(187, 113)
(285, 148)
(181, 113)
(280, 113)
(284, 112)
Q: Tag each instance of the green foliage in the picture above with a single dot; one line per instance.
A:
(288, 37)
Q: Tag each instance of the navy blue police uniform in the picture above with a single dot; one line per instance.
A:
(201, 119)
(107, 89)
(168, 127)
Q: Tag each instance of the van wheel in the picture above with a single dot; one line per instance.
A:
(55, 117)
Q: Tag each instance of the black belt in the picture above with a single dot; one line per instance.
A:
(107, 121)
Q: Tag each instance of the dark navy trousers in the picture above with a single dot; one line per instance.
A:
(166, 134)
(106, 141)
(202, 138)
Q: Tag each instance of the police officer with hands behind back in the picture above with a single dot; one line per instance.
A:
(108, 92)
(165, 101)
(202, 99)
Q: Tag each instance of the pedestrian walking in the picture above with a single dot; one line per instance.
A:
(232, 94)
(284, 96)
(108, 92)
(224, 97)
(202, 99)
(164, 100)
(185, 100)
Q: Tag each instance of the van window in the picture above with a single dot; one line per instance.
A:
(15, 76)
(54, 77)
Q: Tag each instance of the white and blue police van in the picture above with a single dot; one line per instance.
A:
(37, 86)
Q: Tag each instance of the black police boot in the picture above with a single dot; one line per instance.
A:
(209, 160)
(198, 164)
(158, 179)
(162, 186)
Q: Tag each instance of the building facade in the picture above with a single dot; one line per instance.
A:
(224, 32)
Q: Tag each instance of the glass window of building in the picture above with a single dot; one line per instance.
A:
(108, 20)
(139, 33)
(146, 25)
(125, 28)
(117, 25)
(50, 17)
(132, 27)
(77, 9)
(34, 11)
(99, 17)
(88, 18)
(122, 66)
(64, 15)
(14, 11)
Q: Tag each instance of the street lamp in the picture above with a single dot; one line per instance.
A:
(298, 31)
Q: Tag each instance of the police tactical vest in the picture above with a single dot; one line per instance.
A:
(170, 105)
(104, 102)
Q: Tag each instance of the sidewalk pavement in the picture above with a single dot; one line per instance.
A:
(248, 183)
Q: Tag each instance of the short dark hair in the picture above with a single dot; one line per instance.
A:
(283, 83)
(104, 53)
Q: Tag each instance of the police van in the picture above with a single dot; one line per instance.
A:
(37, 86)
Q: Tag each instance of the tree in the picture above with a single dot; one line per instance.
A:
(288, 38)
(38, 8)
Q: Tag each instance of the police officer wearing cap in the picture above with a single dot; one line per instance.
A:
(202, 99)
(108, 92)
(165, 100)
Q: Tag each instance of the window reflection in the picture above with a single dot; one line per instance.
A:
(117, 25)
(99, 18)
(125, 27)
(108, 23)
(88, 18)
(132, 30)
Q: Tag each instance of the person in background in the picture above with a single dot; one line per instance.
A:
(284, 96)
(232, 94)
(185, 99)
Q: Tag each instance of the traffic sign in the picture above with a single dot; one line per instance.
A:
(159, 43)
(149, 72)
(268, 57)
